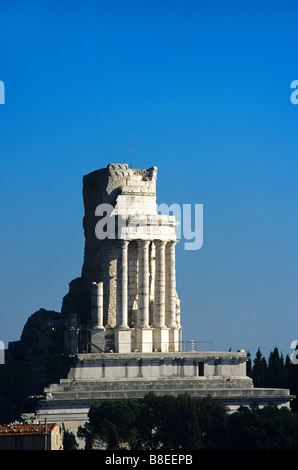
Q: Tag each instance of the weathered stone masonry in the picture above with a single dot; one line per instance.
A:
(134, 265)
(118, 334)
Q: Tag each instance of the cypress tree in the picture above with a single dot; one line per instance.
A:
(259, 370)
(248, 365)
(277, 374)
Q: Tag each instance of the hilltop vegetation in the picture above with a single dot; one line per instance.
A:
(183, 423)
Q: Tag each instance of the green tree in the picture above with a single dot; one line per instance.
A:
(248, 365)
(168, 422)
(184, 423)
(245, 431)
(212, 415)
(69, 440)
(189, 433)
(112, 424)
(157, 422)
(277, 373)
(268, 428)
(259, 370)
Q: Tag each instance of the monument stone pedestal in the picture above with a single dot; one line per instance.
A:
(144, 339)
(161, 339)
(126, 297)
(97, 338)
(123, 340)
(175, 339)
(97, 377)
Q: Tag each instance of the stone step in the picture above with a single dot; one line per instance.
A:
(123, 385)
(94, 396)
(102, 384)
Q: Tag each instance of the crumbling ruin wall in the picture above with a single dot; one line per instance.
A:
(32, 363)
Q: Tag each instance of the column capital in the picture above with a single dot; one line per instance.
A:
(172, 243)
(160, 243)
(122, 243)
(143, 243)
(171, 247)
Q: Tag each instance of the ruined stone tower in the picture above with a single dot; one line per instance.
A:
(118, 334)
(128, 277)
(123, 332)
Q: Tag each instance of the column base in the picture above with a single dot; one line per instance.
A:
(144, 339)
(123, 340)
(161, 339)
(175, 339)
(98, 338)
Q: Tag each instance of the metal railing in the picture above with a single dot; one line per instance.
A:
(196, 346)
(85, 345)
(182, 346)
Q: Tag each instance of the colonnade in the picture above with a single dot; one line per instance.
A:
(163, 334)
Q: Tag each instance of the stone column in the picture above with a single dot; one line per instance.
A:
(97, 305)
(160, 284)
(122, 332)
(170, 285)
(152, 283)
(97, 329)
(143, 330)
(143, 284)
(122, 287)
(171, 298)
(161, 333)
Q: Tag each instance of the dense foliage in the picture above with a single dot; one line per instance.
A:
(69, 440)
(184, 423)
(277, 372)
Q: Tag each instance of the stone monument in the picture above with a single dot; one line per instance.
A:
(123, 331)
(129, 265)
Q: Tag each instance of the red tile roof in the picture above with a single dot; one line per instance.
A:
(23, 428)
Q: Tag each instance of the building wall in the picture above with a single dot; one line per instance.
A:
(33, 442)
(115, 366)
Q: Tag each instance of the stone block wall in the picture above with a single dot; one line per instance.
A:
(131, 193)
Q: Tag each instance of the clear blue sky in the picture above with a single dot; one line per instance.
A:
(202, 89)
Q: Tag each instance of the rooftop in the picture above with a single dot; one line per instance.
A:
(24, 428)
